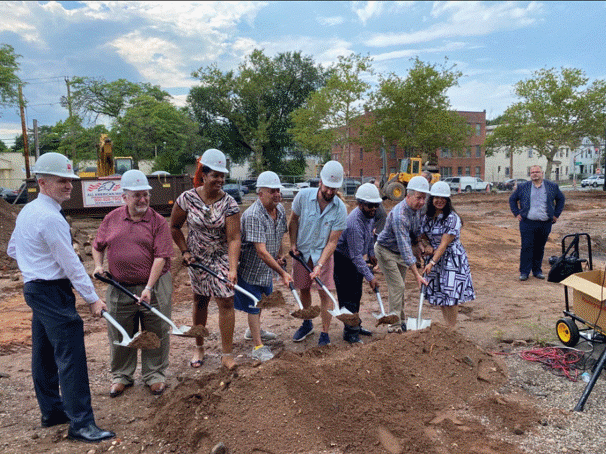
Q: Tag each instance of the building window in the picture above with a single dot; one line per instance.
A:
(478, 171)
(530, 153)
(446, 171)
(392, 170)
(460, 171)
(335, 157)
(468, 152)
(468, 171)
(478, 151)
(527, 171)
(361, 172)
(361, 154)
(478, 129)
(446, 153)
(507, 171)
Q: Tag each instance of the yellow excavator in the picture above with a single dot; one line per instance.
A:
(395, 186)
(107, 164)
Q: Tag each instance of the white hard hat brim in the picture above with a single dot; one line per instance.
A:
(332, 184)
(71, 176)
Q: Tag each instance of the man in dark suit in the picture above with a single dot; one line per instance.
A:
(537, 204)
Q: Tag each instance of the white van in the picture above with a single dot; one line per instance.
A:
(467, 184)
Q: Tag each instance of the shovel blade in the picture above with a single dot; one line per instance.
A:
(377, 315)
(413, 325)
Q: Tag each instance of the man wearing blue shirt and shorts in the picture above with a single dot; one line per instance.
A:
(317, 220)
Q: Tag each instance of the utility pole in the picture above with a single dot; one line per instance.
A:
(69, 111)
(36, 141)
(24, 131)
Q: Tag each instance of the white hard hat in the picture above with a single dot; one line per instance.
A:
(332, 174)
(418, 184)
(268, 179)
(52, 163)
(134, 180)
(368, 192)
(440, 189)
(215, 159)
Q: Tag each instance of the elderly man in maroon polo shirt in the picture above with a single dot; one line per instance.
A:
(138, 245)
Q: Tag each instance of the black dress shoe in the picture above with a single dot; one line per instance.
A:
(54, 419)
(352, 338)
(539, 276)
(90, 434)
(523, 277)
(364, 331)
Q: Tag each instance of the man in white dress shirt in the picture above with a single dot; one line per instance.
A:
(41, 244)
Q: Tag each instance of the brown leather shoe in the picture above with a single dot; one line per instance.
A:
(157, 388)
(117, 389)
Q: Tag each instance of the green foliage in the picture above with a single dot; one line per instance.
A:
(3, 147)
(559, 108)
(9, 81)
(246, 113)
(415, 112)
(92, 97)
(151, 126)
(330, 113)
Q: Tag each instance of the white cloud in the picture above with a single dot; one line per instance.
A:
(409, 53)
(331, 21)
(466, 19)
(476, 95)
(369, 10)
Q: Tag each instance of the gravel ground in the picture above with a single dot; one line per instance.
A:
(562, 430)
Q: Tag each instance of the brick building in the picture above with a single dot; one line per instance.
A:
(361, 163)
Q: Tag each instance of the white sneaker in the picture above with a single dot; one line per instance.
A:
(262, 354)
(265, 335)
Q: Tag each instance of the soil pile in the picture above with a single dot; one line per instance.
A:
(8, 216)
(428, 391)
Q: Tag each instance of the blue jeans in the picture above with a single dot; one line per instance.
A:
(534, 235)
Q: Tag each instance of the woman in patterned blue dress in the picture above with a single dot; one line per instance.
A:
(448, 269)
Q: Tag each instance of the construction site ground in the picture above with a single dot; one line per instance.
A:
(431, 391)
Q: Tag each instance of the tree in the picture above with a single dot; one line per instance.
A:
(3, 147)
(149, 126)
(92, 97)
(415, 112)
(246, 113)
(330, 113)
(507, 134)
(9, 81)
(559, 109)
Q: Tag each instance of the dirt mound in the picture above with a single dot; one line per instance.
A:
(420, 392)
(8, 216)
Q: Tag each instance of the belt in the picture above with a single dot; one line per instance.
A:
(128, 284)
(51, 281)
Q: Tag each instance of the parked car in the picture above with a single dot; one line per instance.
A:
(302, 185)
(244, 189)
(467, 184)
(234, 191)
(251, 184)
(593, 180)
(510, 184)
(288, 190)
(10, 195)
(313, 182)
(350, 185)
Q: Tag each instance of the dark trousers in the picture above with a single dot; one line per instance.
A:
(348, 282)
(59, 369)
(534, 235)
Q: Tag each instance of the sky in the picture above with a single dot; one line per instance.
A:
(493, 44)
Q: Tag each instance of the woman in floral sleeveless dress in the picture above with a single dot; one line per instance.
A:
(448, 271)
(213, 240)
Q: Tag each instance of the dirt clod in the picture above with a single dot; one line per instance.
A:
(197, 331)
(388, 320)
(349, 319)
(276, 299)
(145, 341)
(307, 314)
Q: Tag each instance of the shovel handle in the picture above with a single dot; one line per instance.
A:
(206, 269)
(299, 259)
(295, 294)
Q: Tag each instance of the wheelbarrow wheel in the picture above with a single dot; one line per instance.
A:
(568, 332)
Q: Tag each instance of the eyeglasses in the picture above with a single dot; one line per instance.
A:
(371, 205)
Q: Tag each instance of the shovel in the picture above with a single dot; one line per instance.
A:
(305, 314)
(342, 314)
(185, 331)
(383, 318)
(418, 323)
(143, 340)
(236, 286)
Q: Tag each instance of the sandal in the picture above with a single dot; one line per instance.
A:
(196, 363)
